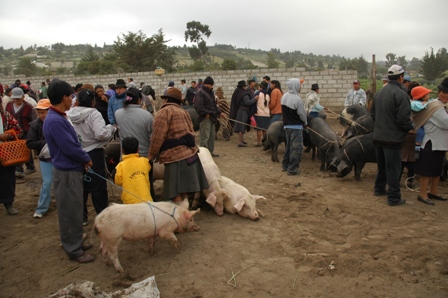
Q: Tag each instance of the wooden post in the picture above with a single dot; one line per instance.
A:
(373, 74)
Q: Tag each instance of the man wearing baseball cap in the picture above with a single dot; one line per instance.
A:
(391, 111)
(355, 96)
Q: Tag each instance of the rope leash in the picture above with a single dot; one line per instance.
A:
(89, 170)
(349, 120)
(256, 127)
(329, 141)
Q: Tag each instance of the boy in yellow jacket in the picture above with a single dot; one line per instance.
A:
(132, 173)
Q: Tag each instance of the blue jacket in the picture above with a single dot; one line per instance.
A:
(115, 103)
(65, 149)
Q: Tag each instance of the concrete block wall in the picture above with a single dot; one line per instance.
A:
(334, 84)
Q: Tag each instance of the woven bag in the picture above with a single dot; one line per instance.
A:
(14, 152)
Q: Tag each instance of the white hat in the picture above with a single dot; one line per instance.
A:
(395, 70)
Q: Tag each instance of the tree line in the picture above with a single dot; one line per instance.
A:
(136, 52)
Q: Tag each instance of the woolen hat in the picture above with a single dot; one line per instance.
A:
(444, 85)
(209, 80)
(43, 104)
(395, 70)
(242, 83)
(314, 86)
(419, 92)
(173, 93)
(171, 83)
(120, 84)
(87, 86)
(17, 92)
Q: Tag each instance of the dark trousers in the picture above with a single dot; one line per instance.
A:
(7, 184)
(389, 169)
(67, 191)
(97, 186)
(293, 150)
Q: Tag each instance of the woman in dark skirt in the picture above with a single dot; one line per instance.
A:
(172, 143)
(434, 120)
(239, 110)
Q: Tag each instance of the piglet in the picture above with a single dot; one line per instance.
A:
(237, 199)
(142, 221)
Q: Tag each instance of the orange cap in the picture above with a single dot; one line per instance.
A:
(43, 104)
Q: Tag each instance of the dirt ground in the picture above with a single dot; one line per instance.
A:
(327, 237)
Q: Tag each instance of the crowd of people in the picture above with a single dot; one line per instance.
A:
(67, 128)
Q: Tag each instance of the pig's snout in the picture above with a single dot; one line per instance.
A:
(196, 228)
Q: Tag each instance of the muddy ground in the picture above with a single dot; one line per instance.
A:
(326, 237)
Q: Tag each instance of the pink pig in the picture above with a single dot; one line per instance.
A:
(142, 221)
(214, 194)
(237, 199)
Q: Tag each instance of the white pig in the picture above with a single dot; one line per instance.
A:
(214, 194)
(237, 199)
(136, 222)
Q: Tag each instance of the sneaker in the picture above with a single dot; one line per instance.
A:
(30, 171)
(11, 210)
(37, 215)
(20, 174)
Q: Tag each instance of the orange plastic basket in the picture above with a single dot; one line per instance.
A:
(14, 152)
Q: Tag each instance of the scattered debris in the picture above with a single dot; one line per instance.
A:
(145, 288)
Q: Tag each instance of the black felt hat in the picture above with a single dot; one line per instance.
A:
(242, 83)
(444, 85)
(120, 83)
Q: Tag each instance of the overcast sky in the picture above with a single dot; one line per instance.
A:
(348, 28)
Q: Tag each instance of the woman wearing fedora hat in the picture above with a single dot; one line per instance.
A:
(434, 119)
(173, 144)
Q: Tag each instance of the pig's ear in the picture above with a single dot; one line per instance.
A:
(211, 199)
(225, 194)
(239, 205)
(195, 211)
(189, 214)
(341, 166)
(185, 204)
(257, 197)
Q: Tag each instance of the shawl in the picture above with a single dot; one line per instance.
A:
(420, 118)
